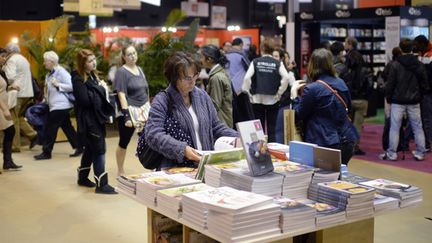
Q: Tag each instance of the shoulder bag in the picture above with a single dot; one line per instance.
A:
(151, 159)
(139, 115)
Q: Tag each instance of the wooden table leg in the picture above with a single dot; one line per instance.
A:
(150, 235)
(186, 234)
(361, 231)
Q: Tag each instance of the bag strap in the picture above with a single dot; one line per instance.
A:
(170, 102)
(336, 93)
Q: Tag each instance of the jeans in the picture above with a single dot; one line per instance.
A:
(396, 115)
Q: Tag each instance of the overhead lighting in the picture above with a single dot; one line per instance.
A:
(152, 2)
(164, 29)
(14, 40)
(116, 29)
(51, 39)
(233, 28)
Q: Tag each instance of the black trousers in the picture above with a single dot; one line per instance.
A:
(9, 134)
(55, 120)
(267, 114)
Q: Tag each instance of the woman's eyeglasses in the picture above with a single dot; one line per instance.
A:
(189, 78)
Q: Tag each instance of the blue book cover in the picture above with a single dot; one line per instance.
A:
(302, 152)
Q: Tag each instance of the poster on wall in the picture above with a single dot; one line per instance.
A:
(197, 9)
(247, 41)
(392, 35)
(218, 17)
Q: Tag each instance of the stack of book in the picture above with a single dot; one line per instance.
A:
(319, 176)
(408, 195)
(384, 203)
(127, 184)
(295, 215)
(169, 200)
(326, 214)
(297, 178)
(193, 206)
(235, 215)
(213, 172)
(146, 188)
(353, 178)
(355, 199)
(269, 184)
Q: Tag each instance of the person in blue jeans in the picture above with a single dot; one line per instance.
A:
(406, 83)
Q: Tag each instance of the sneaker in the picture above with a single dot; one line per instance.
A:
(384, 156)
(417, 157)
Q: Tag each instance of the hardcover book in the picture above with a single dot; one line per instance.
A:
(255, 147)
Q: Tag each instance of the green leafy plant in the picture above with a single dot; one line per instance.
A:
(161, 46)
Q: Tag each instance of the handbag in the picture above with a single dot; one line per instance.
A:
(139, 115)
(152, 159)
(292, 131)
(70, 96)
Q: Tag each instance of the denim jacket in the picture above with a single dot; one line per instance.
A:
(323, 114)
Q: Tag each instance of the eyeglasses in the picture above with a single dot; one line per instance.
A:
(189, 78)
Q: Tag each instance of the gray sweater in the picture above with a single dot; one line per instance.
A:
(210, 127)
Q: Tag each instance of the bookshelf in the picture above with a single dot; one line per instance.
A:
(370, 37)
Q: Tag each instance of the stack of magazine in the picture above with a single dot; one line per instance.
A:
(169, 200)
(269, 184)
(213, 172)
(218, 157)
(355, 199)
(127, 184)
(146, 188)
(295, 215)
(319, 176)
(384, 203)
(234, 215)
(408, 195)
(326, 214)
(353, 178)
(297, 178)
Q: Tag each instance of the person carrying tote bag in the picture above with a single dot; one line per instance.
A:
(132, 91)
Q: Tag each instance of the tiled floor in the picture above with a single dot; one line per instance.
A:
(42, 203)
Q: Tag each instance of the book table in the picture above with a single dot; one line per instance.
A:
(361, 230)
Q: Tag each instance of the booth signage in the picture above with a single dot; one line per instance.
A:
(383, 12)
(342, 14)
(414, 11)
(305, 15)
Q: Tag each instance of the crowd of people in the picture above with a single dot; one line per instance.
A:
(331, 103)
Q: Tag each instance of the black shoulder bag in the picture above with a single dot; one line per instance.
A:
(152, 159)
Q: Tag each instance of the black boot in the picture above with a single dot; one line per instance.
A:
(102, 184)
(10, 165)
(83, 179)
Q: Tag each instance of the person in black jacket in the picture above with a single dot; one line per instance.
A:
(406, 81)
(93, 111)
(359, 81)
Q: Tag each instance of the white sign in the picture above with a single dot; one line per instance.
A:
(94, 7)
(392, 35)
(198, 9)
(218, 17)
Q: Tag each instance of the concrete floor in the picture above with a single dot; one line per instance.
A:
(42, 203)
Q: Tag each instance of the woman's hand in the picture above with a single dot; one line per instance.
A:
(191, 154)
(296, 87)
(7, 115)
(128, 123)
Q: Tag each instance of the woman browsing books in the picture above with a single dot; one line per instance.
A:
(323, 106)
(191, 107)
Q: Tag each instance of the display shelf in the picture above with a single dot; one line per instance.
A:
(347, 231)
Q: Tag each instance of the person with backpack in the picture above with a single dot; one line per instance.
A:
(406, 83)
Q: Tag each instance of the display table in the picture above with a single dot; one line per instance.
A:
(361, 230)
